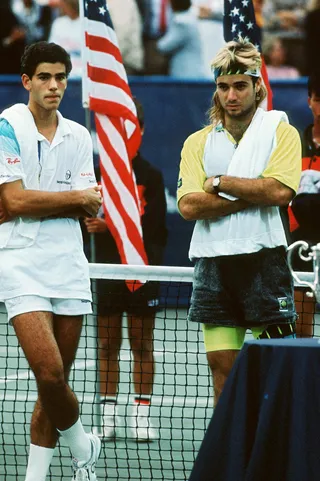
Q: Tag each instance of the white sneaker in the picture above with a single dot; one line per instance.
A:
(87, 472)
(110, 421)
(141, 426)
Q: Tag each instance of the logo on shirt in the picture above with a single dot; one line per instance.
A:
(283, 304)
(13, 161)
(86, 174)
(68, 174)
(179, 183)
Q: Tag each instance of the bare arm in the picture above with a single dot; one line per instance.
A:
(268, 191)
(201, 206)
(19, 202)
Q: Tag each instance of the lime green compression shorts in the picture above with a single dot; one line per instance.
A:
(219, 338)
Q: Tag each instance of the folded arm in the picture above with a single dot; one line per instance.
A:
(202, 205)
(19, 202)
(263, 191)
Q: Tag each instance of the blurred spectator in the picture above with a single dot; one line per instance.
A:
(210, 15)
(66, 31)
(35, 19)
(312, 24)
(12, 41)
(182, 42)
(157, 16)
(127, 23)
(284, 15)
(258, 11)
(285, 19)
(275, 57)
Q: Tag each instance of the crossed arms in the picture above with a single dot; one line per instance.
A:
(209, 205)
(19, 202)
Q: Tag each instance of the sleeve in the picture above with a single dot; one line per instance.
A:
(192, 175)
(84, 176)
(286, 160)
(10, 160)
(173, 40)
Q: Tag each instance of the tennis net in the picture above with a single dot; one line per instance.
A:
(181, 401)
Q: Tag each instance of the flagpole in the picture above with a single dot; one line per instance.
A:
(85, 104)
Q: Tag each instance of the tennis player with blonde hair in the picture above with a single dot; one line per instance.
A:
(234, 175)
(46, 182)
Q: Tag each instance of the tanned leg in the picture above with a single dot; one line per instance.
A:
(110, 340)
(141, 342)
(41, 337)
(220, 363)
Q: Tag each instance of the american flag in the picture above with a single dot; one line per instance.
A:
(240, 21)
(106, 92)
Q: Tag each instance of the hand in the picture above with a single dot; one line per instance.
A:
(207, 186)
(92, 200)
(95, 225)
(288, 19)
(4, 217)
(204, 12)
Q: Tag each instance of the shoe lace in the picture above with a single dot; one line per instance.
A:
(81, 475)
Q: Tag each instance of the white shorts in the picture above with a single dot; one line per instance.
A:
(62, 307)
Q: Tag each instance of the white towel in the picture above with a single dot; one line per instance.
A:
(22, 232)
(254, 151)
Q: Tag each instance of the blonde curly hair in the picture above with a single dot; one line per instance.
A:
(237, 56)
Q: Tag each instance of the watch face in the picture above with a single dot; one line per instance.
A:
(216, 181)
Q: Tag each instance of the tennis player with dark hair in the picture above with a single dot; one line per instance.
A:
(234, 176)
(47, 182)
(115, 299)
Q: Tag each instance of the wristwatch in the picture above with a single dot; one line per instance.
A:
(216, 184)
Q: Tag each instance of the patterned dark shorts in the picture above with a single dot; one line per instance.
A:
(244, 290)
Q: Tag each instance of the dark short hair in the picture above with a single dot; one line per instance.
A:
(314, 84)
(140, 112)
(180, 5)
(40, 52)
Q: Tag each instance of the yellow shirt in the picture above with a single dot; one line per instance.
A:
(284, 164)
(271, 148)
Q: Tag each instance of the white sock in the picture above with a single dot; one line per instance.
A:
(78, 442)
(38, 463)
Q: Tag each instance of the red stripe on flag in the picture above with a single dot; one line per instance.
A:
(102, 45)
(108, 77)
(117, 161)
(132, 230)
(116, 110)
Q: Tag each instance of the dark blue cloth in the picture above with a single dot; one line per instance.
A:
(266, 426)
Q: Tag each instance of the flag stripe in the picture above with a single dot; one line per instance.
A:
(118, 132)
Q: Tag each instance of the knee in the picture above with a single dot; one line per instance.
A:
(50, 380)
(221, 362)
(109, 348)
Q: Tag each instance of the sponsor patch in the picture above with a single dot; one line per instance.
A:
(283, 304)
(12, 161)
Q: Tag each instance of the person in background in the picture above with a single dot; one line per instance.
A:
(127, 23)
(182, 42)
(12, 41)
(275, 56)
(34, 18)
(210, 23)
(66, 31)
(115, 299)
(305, 207)
(234, 175)
(156, 19)
(311, 31)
